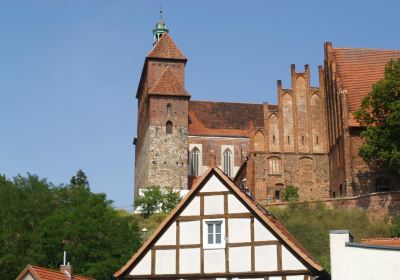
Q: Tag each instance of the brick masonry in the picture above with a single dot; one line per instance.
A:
(307, 140)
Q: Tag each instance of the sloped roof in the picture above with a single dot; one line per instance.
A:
(168, 84)
(388, 242)
(358, 70)
(267, 218)
(223, 118)
(41, 273)
(166, 48)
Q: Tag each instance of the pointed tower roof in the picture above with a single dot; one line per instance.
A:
(168, 84)
(166, 48)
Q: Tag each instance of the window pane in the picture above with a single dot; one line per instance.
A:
(218, 238)
(218, 227)
(210, 228)
(210, 239)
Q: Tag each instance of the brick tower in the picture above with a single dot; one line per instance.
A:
(162, 136)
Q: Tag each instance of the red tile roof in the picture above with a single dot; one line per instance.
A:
(224, 119)
(168, 84)
(166, 48)
(40, 273)
(389, 242)
(358, 70)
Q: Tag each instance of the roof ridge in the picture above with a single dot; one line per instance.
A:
(229, 102)
(366, 49)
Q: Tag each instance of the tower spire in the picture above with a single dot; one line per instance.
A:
(160, 29)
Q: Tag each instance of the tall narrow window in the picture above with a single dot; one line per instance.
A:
(169, 110)
(228, 162)
(316, 140)
(273, 139)
(194, 162)
(302, 140)
(168, 127)
(288, 140)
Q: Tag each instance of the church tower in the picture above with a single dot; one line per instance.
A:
(162, 136)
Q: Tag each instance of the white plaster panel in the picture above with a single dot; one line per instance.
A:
(240, 259)
(289, 261)
(275, 278)
(144, 266)
(165, 261)
(189, 232)
(189, 260)
(169, 236)
(266, 258)
(239, 230)
(28, 276)
(193, 208)
(295, 277)
(261, 233)
(214, 204)
(213, 185)
(214, 260)
(235, 206)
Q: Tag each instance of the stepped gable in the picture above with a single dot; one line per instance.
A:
(168, 84)
(167, 49)
(41, 273)
(223, 118)
(358, 70)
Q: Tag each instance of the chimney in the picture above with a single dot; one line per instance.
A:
(66, 268)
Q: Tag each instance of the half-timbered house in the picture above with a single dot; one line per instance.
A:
(218, 232)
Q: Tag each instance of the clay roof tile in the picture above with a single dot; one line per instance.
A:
(166, 48)
(358, 70)
(168, 84)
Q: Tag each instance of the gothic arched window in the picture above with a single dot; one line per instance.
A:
(194, 162)
(168, 127)
(228, 162)
(169, 110)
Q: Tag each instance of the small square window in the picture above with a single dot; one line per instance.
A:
(213, 234)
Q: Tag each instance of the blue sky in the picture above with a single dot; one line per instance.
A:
(69, 70)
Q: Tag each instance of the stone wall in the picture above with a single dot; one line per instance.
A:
(376, 204)
(273, 172)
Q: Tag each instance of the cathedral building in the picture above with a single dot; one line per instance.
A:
(309, 140)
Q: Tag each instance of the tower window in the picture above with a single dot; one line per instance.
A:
(228, 162)
(273, 139)
(169, 110)
(194, 161)
(168, 127)
(302, 140)
(288, 140)
(316, 140)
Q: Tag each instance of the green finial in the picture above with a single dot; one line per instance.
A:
(160, 29)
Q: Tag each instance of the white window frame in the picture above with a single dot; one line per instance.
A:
(206, 245)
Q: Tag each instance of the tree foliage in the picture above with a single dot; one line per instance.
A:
(38, 221)
(380, 114)
(291, 193)
(155, 199)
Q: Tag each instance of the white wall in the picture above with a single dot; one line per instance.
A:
(349, 262)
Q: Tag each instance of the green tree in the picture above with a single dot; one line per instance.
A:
(380, 115)
(80, 179)
(38, 221)
(155, 199)
(291, 193)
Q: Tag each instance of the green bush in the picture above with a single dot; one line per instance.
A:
(311, 225)
(291, 193)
